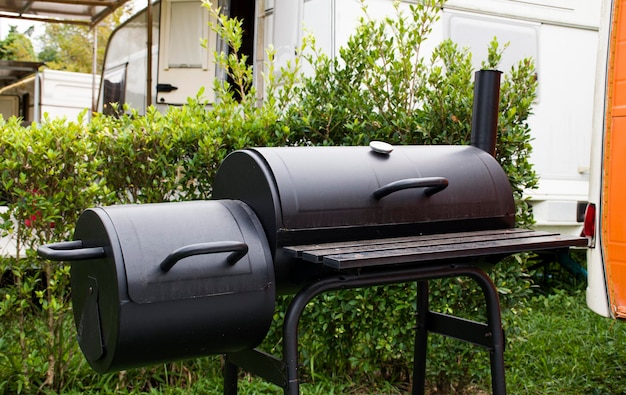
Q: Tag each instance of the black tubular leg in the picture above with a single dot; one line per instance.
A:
(494, 321)
(230, 377)
(290, 328)
(421, 339)
(345, 281)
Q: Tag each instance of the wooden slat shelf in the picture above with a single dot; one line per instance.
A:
(430, 248)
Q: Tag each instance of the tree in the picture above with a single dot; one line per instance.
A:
(67, 47)
(18, 46)
(70, 47)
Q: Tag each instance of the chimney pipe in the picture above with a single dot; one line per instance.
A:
(485, 110)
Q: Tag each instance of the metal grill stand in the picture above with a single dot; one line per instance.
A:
(284, 373)
(400, 260)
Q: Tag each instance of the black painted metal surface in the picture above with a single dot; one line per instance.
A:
(485, 110)
(174, 281)
(305, 195)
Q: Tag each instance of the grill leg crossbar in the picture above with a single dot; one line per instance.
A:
(254, 361)
(490, 335)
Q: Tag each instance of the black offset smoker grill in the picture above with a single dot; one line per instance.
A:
(162, 282)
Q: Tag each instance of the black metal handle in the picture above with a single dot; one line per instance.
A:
(69, 251)
(432, 185)
(166, 88)
(238, 249)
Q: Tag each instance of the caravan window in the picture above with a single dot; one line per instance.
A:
(113, 86)
(185, 29)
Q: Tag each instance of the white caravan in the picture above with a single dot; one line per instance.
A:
(56, 93)
(561, 35)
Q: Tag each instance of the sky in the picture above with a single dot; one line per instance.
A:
(22, 26)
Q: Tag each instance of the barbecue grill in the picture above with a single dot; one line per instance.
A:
(161, 282)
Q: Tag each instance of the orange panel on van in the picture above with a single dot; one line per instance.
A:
(614, 185)
(619, 73)
(615, 214)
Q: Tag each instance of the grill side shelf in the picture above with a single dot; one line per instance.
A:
(430, 248)
(299, 250)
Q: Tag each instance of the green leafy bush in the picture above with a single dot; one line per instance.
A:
(48, 177)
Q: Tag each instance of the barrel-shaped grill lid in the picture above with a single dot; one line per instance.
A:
(321, 189)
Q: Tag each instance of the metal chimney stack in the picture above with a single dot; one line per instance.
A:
(485, 111)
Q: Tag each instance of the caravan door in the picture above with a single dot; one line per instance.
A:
(184, 64)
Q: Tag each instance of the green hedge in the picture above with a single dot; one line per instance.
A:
(378, 88)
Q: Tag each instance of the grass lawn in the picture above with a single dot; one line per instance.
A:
(555, 345)
(558, 346)
(561, 347)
